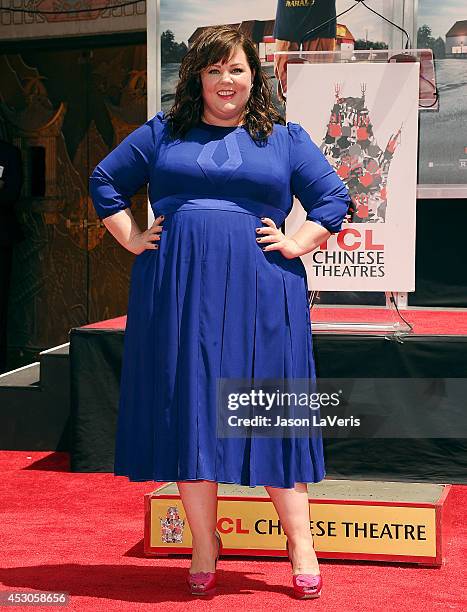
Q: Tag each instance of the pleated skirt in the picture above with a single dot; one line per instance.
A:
(209, 304)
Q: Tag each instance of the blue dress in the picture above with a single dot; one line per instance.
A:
(210, 303)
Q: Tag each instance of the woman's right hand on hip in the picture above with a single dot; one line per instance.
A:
(147, 239)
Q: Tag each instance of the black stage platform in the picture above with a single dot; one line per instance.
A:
(95, 363)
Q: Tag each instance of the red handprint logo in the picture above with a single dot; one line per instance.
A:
(351, 147)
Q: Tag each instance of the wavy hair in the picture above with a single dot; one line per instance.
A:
(216, 44)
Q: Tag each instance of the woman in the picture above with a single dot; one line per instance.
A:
(217, 290)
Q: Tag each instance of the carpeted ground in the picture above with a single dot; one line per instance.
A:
(424, 321)
(83, 533)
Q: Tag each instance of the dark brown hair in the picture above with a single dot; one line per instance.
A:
(216, 44)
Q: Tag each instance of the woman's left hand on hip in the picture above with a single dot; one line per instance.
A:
(270, 238)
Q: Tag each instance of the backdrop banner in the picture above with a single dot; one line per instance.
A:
(365, 121)
(279, 25)
(442, 27)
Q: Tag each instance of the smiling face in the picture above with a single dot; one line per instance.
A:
(226, 89)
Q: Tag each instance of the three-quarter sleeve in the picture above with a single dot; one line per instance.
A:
(315, 183)
(123, 171)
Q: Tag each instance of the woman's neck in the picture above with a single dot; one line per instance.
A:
(211, 120)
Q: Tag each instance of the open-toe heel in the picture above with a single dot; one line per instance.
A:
(204, 583)
(305, 586)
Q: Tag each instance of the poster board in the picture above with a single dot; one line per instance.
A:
(365, 121)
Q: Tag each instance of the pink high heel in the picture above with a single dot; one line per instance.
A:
(305, 586)
(204, 583)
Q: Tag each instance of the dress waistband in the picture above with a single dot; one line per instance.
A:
(250, 207)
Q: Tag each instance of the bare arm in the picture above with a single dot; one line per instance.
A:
(309, 236)
(123, 227)
(125, 230)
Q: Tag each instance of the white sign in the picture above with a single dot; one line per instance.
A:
(364, 118)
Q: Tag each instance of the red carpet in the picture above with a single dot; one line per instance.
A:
(424, 321)
(82, 533)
